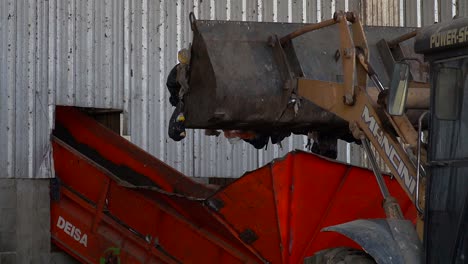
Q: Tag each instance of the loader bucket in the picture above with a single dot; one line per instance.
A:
(235, 82)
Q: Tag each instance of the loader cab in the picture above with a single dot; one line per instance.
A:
(445, 47)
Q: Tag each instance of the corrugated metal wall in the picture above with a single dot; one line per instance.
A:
(117, 53)
(54, 52)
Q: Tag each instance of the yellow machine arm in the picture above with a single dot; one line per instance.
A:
(366, 119)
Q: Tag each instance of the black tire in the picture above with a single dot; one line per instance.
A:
(341, 255)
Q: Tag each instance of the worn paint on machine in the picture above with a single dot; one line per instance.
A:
(392, 154)
(449, 37)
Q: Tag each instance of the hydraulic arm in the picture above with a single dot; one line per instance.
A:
(371, 124)
(367, 121)
(352, 103)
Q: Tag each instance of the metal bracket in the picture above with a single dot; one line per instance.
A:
(287, 61)
(215, 204)
(348, 58)
(391, 53)
(248, 236)
(290, 69)
(418, 163)
(55, 189)
(192, 20)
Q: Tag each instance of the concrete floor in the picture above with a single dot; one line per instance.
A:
(25, 223)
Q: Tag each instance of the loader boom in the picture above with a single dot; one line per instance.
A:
(445, 208)
(364, 121)
(368, 122)
(356, 107)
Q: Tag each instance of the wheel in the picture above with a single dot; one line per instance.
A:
(340, 255)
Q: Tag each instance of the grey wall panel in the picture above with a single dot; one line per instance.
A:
(251, 10)
(445, 10)
(23, 86)
(411, 13)
(462, 8)
(5, 86)
(24, 76)
(341, 5)
(282, 14)
(236, 8)
(267, 10)
(379, 13)
(88, 41)
(220, 9)
(297, 11)
(326, 9)
(427, 17)
(311, 11)
(355, 6)
(42, 116)
(53, 52)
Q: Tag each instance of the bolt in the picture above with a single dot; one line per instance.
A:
(349, 52)
(337, 17)
(351, 17)
(348, 99)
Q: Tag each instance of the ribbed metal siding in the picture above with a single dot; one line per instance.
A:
(87, 42)
(24, 100)
(116, 54)
(53, 52)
